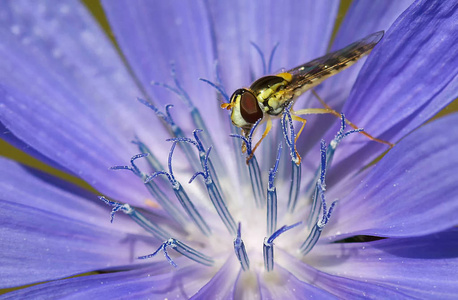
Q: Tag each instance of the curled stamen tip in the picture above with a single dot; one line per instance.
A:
(149, 178)
(137, 156)
(119, 168)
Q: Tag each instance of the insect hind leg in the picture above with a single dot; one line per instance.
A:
(266, 132)
(352, 125)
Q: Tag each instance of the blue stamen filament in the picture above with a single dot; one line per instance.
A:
(154, 190)
(272, 196)
(271, 58)
(202, 154)
(152, 228)
(162, 247)
(176, 130)
(268, 249)
(152, 160)
(184, 96)
(253, 167)
(240, 251)
(296, 169)
(159, 233)
(181, 195)
(319, 186)
(329, 155)
(319, 204)
(261, 55)
(184, 250)
(215, 196)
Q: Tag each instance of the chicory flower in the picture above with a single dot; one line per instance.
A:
(236, 231)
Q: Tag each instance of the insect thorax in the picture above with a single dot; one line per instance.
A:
(268, 91)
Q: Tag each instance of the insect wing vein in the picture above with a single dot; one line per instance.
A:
(312, 73)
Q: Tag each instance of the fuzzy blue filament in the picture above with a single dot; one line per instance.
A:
(153, 189)
(272, 196)
(253, 167)
(181, 195)
(240, 251)
(215, 196)
(296, 168)
(268, 249)
(319, 204)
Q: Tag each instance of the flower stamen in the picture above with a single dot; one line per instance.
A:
(253, 167)
(296, 170)
(181, 195)
(177, 131)
(184, 250)
(154, 189)
(141, 220)
(318, 205)
(268, 248)
(272, 196)
(162, 247)
(330, 154)
(240, 251)
(184, 96)
(215, 195)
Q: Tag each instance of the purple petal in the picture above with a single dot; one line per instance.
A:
(152, 37)
(51, 229)
(409, 77)
(362, 19)
(282, 284)
(411, 191)
(156, 281)
(303, 29)
(423, 267)
(66, 94)
(38, 246)
(222, 284)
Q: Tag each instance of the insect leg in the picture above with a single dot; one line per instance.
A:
(331, 111)
(266, 132)
(303, 121)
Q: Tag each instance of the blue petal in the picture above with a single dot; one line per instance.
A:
(66, 94)
(303, 29)
(422, 267)
(51, 229)
(152, 37)
(410, 76)
(411, 191)
(222, 284)
(156, 281)
(282, 284)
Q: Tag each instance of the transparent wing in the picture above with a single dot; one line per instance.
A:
(314, 72)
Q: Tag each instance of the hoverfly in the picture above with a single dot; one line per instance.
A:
(270, 95)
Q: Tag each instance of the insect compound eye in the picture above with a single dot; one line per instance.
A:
(249, 106)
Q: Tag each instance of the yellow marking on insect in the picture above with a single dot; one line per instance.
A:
(286, 76)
